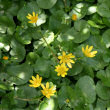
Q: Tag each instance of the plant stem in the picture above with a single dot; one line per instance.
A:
(18, 98)
(49, 47)
(64, 3)
(80, 58)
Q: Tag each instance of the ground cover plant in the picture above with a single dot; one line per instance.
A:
(54, 54)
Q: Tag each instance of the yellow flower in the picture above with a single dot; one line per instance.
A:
(36, 82)
(5, 58)
(33, 18)
(74, 17)
(62, 70)
(87, 52)
(48, 91)
(67, 100)
(66, 59)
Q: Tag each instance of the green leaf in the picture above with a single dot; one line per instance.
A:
(88, 70)
(90, 0)
(106, 21)
(82, 31)
(23, 36)
(104, 76)
(59, 21)
(102, 91)
(79, 33)
(92, 9)
(80, 10)
(31, 57)
(103, 8)
(97, 63)
(42, 67)
(24, 92)
(66, 108)
(46, 4)
(87, 87)
(7, 24)
(4, 86)
(46, 53)
(49, 37)
(29, 8)
(93, 24)
(106, 38)
(5, 41)
(66, 92)
(17, 52)
(76, 69)
(106, 56)
(101, 104)
(48, 104)
(76, 100)
(20, 74)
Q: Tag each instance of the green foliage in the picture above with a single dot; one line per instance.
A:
(87, 87)
(33, 48)
(46, 4)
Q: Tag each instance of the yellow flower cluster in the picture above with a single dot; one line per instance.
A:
(47, 91)
(64, 60)
(61, 69)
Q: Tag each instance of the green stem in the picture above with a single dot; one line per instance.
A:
(18, 98)
(64, 3)
(49, 47)
(80, 58)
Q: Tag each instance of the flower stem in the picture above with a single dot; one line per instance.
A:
(49, 47)
(80, 58)
(64, 3)
(18, 98)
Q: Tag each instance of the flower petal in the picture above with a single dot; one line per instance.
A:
(72, 61)
(37, 77)
(47, 85)
(90, 48)
(42, 86)
(33, 14)
(69, 65)
(93, 52)
(31, 81)
(63, 53)
(87, 48)
(83, 49)
(33, 78)
(59, 57)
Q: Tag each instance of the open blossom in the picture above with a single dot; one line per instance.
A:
(48, 91)
(66, 59)
(33, 18)
(62, 70)
(67, 100)
(87, 51)
(36, 81)
(74, 17)
(5, 58)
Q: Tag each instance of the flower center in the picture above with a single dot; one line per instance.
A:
(61, 70)
(66, 59)
(34, 19)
